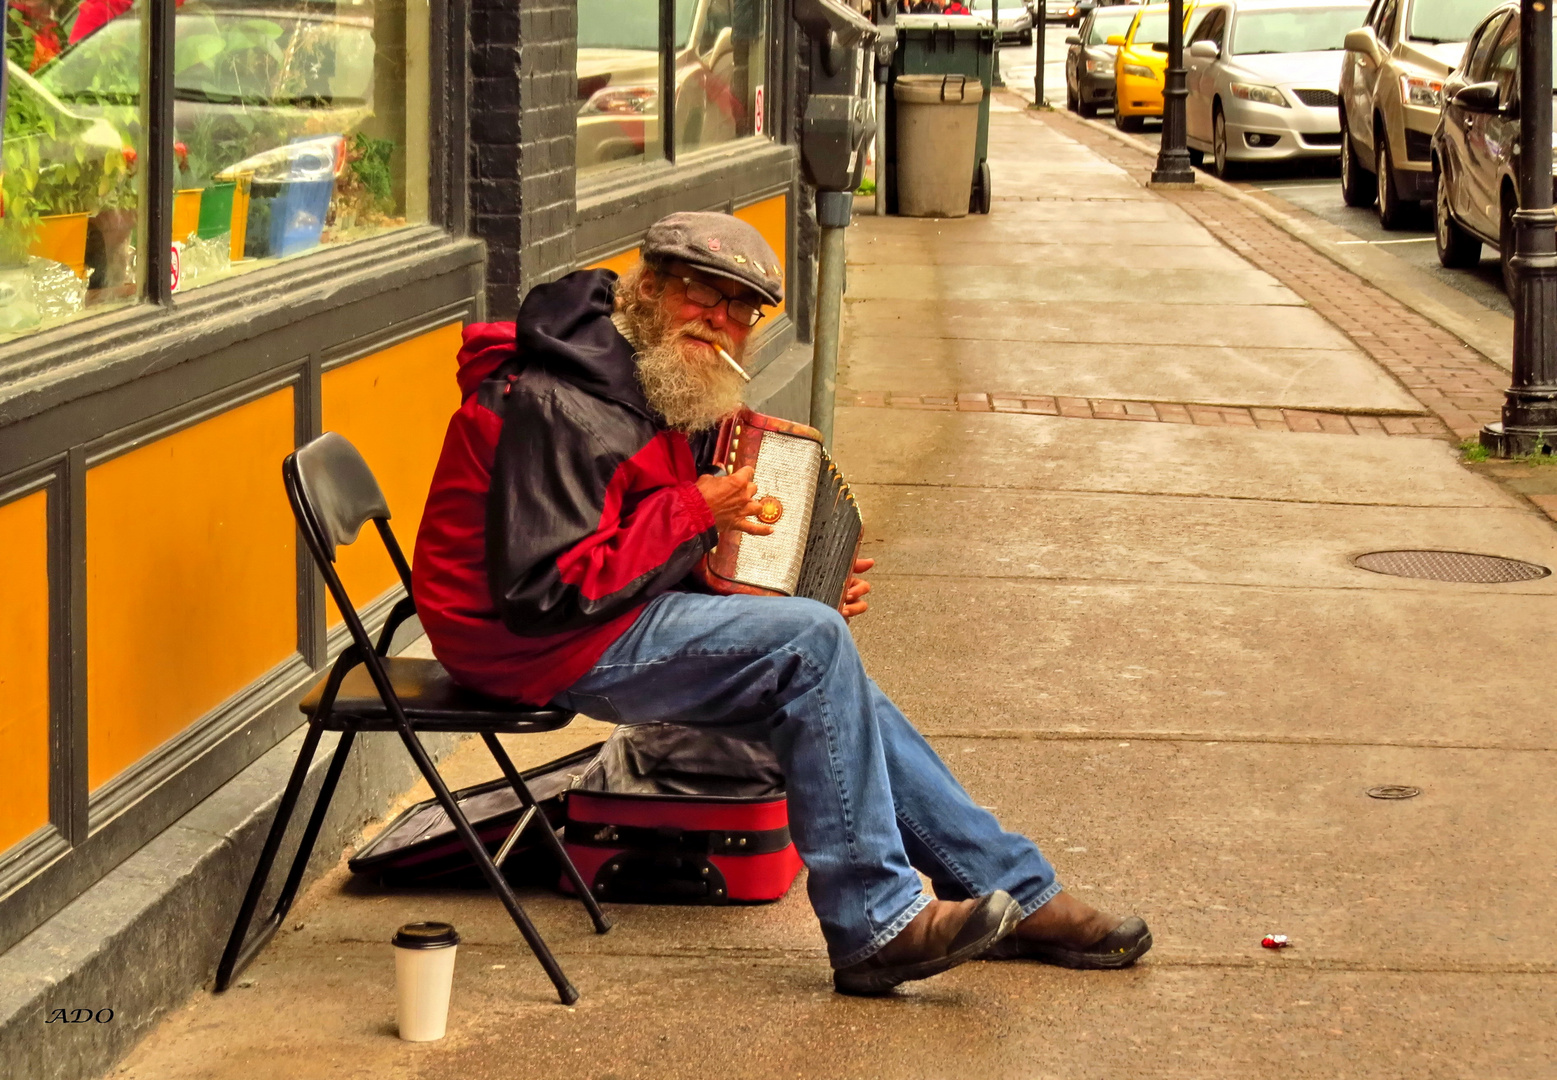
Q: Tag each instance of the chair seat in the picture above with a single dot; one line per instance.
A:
(433, 701)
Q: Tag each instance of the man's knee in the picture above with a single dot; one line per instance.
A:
(815, 629)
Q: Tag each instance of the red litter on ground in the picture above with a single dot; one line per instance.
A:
(1275, 941)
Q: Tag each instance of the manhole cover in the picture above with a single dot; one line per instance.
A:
(1450, 566)
(1394, 791)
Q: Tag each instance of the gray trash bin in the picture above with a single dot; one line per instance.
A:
(937, 136)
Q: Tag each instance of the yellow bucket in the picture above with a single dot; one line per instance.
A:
(240, 216)
(62, 238)
(186, 214)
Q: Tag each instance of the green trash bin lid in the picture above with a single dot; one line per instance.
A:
(938, 89)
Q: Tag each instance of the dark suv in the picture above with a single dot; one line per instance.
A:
(1474, 147)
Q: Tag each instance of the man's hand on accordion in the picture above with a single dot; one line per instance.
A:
(854, 592)
(732, 501)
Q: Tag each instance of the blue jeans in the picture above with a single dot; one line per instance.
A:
(869, 801)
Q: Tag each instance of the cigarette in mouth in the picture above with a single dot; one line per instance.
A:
(731, 361)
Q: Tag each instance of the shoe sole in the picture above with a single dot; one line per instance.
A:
(876, 983)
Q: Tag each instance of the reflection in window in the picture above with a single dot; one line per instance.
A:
(67, 178)
(297, 124)
(720, 70)
(618, 83)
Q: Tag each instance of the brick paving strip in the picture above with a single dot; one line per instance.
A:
(1457, 384)
(1167, 412)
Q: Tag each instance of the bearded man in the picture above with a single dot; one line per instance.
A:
(573, 499)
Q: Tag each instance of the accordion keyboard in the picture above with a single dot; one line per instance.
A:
(788, 469)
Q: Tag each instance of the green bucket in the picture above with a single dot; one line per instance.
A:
(216, 210)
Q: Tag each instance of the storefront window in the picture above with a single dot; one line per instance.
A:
(720, 65)
(296, 125)
(619, 68)
(67, 178)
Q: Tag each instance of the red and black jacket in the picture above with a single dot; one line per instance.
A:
(561, 503)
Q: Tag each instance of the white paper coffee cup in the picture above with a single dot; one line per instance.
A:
(424, 976)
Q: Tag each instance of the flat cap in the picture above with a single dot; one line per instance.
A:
(718, 244)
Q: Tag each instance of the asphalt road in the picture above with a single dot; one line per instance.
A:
(1311, 186)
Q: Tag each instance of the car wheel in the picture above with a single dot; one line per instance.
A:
(1393, 210)
(1223, 167)
(1086, 109)
(1128, 123)
(1457, 249)
(1506, 247)
(1072, 102)
(1358, 186)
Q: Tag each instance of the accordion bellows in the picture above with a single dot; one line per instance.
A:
(816, 523)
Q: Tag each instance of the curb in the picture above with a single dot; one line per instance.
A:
(1488, 332)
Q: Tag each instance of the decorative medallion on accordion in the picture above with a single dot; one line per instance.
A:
(816, 524)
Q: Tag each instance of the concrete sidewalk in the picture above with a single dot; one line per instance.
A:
(1143, 643)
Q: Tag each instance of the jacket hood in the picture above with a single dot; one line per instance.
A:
(565, 327)
(488, 346)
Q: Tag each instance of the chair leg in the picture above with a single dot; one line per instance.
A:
(478, 851)
(233, 958)
(601, 920)
(305, 846)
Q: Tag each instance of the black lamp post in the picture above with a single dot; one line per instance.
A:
(1530, 407)
(1173, 156)
(1040, 23)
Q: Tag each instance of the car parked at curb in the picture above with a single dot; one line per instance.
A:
(1475, 147)
(1089, 60)
(1391, 93)
(1016, 20)
(1263, 77)
(1141, 65)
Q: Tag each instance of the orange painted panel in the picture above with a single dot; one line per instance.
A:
(620, 263)
(394, 406)
(191, 578)
(24, 667)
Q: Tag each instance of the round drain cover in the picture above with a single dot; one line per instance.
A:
(1450, 566)
(1394, 791)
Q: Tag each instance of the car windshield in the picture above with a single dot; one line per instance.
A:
(1153, 29)
(1299, 30)
(256, 58)
(1446, 20)
(1106, 25)
(613, 24)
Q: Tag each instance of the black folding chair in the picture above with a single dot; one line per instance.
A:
(333, 494)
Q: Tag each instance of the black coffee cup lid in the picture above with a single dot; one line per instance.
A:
(426, 935)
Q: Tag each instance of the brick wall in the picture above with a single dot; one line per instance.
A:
(494, 150)
(548, 111)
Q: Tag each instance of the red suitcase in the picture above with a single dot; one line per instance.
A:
(691, 849)
(682, 816)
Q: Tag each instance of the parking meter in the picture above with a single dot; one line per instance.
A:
(832, 138)
(837, 117)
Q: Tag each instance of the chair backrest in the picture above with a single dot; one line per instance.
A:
(338, 489)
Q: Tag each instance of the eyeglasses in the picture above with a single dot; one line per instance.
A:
(705, 295)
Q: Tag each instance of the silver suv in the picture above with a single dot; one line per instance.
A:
(1391, 93)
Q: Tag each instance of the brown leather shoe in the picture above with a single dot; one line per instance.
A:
(946, 933)
(1072, 934)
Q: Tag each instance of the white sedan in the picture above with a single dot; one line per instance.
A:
(1263, 79)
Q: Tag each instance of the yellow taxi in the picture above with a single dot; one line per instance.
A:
(1141, 65)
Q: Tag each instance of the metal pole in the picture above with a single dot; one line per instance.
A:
(1529, 423)
(1173, 156)
(881, 140)
(1039, 23)
(832, 214)
(994, 58)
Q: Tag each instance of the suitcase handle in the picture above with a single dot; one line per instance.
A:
(648, 878)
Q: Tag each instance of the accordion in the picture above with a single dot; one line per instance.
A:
(816, 523)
